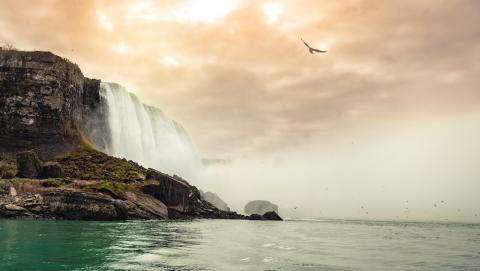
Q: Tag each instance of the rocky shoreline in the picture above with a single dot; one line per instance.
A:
(50, 170)
(95, 186)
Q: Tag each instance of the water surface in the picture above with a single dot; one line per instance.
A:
(238, 245)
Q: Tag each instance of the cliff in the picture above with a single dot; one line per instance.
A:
(43, 99)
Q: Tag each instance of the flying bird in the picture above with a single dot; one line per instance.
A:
(312, 50)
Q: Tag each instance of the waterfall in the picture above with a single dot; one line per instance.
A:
(144, 134)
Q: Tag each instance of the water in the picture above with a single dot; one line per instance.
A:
(238, 245)
(146, 135)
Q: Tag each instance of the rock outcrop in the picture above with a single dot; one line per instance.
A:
(267, 216)
(52, 170)
(8, 169)
(42, 103)
(177, 195)
(28, 165)
(215, 200)
(260, 207)
(96, 186)
(272, 216)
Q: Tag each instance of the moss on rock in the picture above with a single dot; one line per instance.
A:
(88, 164)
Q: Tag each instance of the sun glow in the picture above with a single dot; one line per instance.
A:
(121, 47)
(272, 11)
(104, 21)
(170, 61)
(205, 10)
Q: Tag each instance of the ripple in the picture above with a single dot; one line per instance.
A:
(269, 245)
(267, 259)
(286, 248)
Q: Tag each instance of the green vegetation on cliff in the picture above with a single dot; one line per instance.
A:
(89, 164)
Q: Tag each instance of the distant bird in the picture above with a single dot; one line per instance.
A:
(312, 50)
(295, 208)
(435, 205)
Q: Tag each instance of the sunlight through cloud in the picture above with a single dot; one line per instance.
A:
(205, 10)
(272, 11)
(170, 61)
(104, 21)
(121, 47)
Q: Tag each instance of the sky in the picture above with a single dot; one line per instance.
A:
(393, 105)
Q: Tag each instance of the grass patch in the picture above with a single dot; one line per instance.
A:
(87, 145)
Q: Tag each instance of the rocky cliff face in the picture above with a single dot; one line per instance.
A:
(42, 101)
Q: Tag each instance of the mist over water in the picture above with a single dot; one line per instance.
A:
(417, 170)
(146, 135)
(411, 170)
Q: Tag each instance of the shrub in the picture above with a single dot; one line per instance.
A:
(7, 46)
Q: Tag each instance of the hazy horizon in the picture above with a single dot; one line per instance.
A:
(390, 114)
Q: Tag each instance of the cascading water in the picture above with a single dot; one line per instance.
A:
(144, 134)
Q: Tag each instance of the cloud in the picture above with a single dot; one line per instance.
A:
(242, 84)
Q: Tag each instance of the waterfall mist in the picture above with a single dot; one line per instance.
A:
(419, 170)
(144, 134)
(415, 170)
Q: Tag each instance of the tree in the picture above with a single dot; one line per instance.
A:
(8, 46)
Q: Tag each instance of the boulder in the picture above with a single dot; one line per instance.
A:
(215, 200)
(175, 194)
(260, 207)
(272, 216)
(267, 216)
(28, 165)
(14, 211)
(7, 170)
(255, 217)
(52, 170)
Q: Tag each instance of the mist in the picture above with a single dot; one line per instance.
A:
(420, 170)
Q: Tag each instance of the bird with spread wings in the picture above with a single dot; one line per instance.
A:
(312, 50)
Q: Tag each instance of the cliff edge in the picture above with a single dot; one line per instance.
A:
(43, 100)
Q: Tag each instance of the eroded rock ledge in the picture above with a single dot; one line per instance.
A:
(96, 186)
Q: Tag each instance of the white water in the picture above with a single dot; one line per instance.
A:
(144, 134)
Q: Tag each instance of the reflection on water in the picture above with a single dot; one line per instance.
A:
(238, 245)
